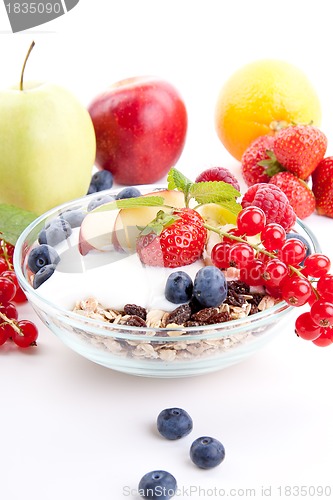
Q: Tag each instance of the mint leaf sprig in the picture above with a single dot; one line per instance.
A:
(203, 193)
(139, 201)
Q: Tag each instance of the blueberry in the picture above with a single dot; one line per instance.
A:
(43, 274)
(101, 180)
(73, 217)
(157, 484)
(303, 240)
(41, 256)
(174, 423)
(100, 200)
(207, 452)
(128, 192)
(58, 230)
(178, 287)
(210, 286)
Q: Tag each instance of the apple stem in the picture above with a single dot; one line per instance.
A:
(25, 62)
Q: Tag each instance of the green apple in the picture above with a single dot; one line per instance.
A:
(47, 146)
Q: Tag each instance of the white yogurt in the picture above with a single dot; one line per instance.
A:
(113, 278)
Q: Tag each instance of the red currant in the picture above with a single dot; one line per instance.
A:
(4, 336)
(296, 291)
(220, 255)
(274, 291)
(275, 272)
(316, 265)
(325, 338)
(293, 251)
(322, 313)
(8, 310)
(251, 221)
(241, 254)
(252, 273)
(3, 265)
(273, 236)
(7, 290)
(27, 334)
(325, 287)
(306, 328)
(20, 295)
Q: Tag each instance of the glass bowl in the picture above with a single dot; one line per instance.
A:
(147, 351)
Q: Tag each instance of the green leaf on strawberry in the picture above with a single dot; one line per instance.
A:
(13, 220)
(161, 221)
(272, 165)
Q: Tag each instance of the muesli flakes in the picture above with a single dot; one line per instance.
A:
(239, 304)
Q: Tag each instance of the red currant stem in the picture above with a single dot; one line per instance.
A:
(12, 323)
(258, 249)
(239, 239)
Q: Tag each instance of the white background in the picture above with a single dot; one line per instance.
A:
(71, 429)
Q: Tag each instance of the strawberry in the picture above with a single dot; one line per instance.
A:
(300, 196)
(322, 186)
(300, 148)
(253, 172)
(172, 240)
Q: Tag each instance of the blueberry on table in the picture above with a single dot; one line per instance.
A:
(174, 423)
(42, 275)
(101, 180)
(210, 287)
(58, 230)
(41, 256)
(128, 192)
(178, 287)
(207, 452)
(157, 484)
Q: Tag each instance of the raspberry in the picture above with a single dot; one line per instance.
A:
(273, 202)
(218, 174)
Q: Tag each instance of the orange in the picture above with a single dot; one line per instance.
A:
(259, 98)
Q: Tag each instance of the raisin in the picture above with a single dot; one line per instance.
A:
(135, 321)
(180, 315)
(204, 315)
(193, 323)
(134, 310)
(256, 298)
(220, 317)
(234, 299)
(239, 287)
(254, 309)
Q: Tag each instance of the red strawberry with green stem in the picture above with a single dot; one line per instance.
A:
(172, 240)
(299, 149)
(322, 186)
(300, 196)
(254, 158)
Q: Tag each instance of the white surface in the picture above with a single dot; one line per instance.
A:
(73, 430)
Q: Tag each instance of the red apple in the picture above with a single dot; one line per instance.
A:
(140, 126)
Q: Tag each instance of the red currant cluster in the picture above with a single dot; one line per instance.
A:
(282, 266)
(23, 332)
